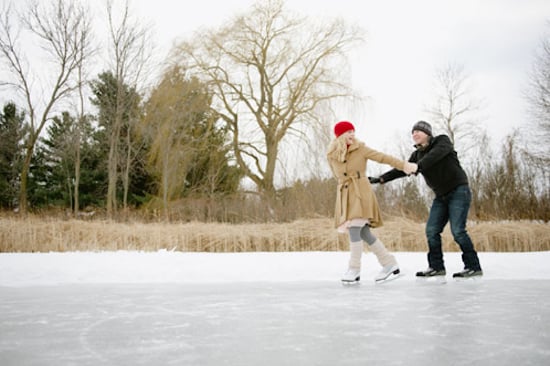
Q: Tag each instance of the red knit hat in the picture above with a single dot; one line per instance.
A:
(342, 127)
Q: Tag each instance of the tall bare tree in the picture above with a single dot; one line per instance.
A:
(538, 97)
(130, 47)
(456, 110)
(81, 120)
(62, 29)
(270, 71)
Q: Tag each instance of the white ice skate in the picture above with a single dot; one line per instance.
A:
(388, 273)
(352, 275)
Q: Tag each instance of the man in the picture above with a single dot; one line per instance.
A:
(437, 161)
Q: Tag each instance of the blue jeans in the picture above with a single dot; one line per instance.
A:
(452, 207)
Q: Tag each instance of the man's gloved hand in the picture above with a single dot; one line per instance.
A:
(374, 180)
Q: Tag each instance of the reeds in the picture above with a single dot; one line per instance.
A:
(38, 234)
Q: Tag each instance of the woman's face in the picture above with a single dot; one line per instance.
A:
(349, 136)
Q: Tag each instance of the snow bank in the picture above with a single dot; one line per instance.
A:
(40, 269)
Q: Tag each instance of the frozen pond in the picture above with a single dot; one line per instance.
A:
(476, 322)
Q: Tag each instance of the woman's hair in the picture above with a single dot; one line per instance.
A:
(338, 148)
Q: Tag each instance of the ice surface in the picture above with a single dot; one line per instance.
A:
(63, 313)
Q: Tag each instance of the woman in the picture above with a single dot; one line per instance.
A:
(356, 205)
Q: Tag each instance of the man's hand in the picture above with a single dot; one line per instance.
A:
(410, 168)
(374, 180)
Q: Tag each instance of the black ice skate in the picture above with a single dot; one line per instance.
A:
(436, 275)
(430, 272)
(468, 273)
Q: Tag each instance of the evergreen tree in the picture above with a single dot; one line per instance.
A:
(59, 154)
(52, 173)
(38, 189)
(11, 153)
(118, 142)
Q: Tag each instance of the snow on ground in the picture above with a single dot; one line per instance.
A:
(37, 269)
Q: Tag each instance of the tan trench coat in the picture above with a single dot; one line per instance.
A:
(355, 198)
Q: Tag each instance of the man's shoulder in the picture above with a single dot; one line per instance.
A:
(441, 139)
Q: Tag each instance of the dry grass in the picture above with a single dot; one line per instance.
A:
(38, 234)
(515, 236)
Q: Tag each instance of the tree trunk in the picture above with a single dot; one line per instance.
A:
(112, 171)
(128, 164)
(76, 207)
(24, 180)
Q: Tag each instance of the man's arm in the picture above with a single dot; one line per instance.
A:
(392, 174)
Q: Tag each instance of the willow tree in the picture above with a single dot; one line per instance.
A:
(270, 71)
(188, 151)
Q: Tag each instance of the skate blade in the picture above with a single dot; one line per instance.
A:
(433, 279)
(466, 279)
(350, 283)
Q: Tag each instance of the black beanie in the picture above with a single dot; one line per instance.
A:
(423, 126)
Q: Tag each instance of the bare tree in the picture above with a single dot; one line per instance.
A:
(131, 50)
(81, 119)
(478, 174)
(456, 110)
(270, 72)
(63, 32)
(538, 97)
(82, 123)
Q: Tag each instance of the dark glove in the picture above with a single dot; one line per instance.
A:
(374, 180)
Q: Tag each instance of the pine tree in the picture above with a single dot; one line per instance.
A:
(11, 154)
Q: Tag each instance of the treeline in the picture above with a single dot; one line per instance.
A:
(219, 115)
(162, 153)
(510, 188)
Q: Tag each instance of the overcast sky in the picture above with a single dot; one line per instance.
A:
(407, 41)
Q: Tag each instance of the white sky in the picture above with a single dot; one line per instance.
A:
(406, 42)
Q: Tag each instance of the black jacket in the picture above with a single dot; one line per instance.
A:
(438, 163)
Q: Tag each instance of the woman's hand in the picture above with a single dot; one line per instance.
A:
(410, 168)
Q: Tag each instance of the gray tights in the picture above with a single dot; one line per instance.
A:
(357, 233)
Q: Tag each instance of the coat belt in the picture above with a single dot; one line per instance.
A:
(342, 193)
